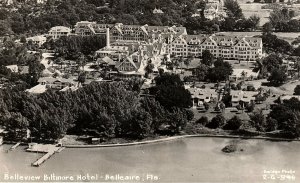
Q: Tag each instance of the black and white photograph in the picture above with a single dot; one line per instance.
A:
(150, 91)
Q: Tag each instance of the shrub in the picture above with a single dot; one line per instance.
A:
(297, 90)
(216, 122)
(206, 106)
(250, 107)
(233, 87)
(203, 120)
(239, 85)
(250, 88)
(217, 108)
(271, 124)
(190, 115)
(233, 124)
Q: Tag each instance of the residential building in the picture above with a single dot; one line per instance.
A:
(86, 28)
(157, 11)
(243, 74)
(38, 40)
(211, 11)
(59, 31)
(242, 97)
(13, 68)
(199, 96)
(56, 83)
(7, 2)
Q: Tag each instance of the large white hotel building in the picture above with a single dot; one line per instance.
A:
(177, 41)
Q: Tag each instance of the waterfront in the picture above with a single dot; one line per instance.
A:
(188, 160)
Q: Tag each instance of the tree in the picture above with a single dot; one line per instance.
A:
(23, 39)
(4, 28)
(217, 122)
(288, 117)
(207, 58)
(201, 5)
(181, 60)
(297, 90)
(222, 106)
(220, 72)
(258, 120)
(170, 91)
(253, 21)
(206, 106)
(272, 61)
(250, 106)
(227, 99)
(138, 126)
(277, 77)
(243, 75)
(267, 29)
(203, 120)
(233, 124)
(234, 9)
(272, 44)
(188, 61)
(82, 78)
(201, 72)
(149, 68)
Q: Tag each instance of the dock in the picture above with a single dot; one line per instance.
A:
(48, 149)
(43, 159)
(15, 146)
(60, 149)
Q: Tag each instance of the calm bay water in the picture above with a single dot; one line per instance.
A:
(185, 160)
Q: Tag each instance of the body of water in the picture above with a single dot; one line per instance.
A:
(184, 160)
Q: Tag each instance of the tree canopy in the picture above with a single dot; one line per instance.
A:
(99, 109)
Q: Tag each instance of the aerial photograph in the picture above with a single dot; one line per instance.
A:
(200, 91)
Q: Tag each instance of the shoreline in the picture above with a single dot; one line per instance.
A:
(177, 138)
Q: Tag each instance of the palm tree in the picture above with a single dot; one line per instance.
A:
(244, 74)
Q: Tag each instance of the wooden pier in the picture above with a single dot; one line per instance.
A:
(15, 146)
(49, 149)
(43, 159)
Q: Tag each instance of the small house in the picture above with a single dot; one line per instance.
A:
(96, 140)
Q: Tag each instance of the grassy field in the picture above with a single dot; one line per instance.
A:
(255, 9)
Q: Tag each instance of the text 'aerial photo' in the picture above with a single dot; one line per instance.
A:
(132, 91)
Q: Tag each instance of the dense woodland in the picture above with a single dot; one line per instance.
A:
(72, 47)
(116, 109)
(15, 54)
(33, 19)
(30, 18)
(100, 109)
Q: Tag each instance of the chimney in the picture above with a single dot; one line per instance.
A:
(107, 38)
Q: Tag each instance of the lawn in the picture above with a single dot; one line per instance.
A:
(227, 113)
(255, 9)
